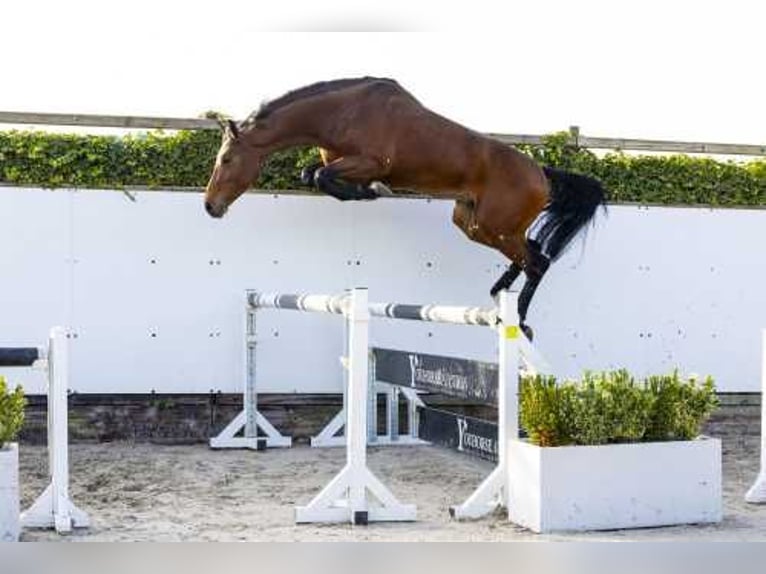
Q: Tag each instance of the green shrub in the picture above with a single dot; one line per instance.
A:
(185, 159)
(545, 410)
(681, 407)
(11, 412)
(612, 407)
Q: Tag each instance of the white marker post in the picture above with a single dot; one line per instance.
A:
(757, 493)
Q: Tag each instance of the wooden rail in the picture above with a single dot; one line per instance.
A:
(149, 122)
(92, 120)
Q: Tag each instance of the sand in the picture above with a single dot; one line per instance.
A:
(143, 492)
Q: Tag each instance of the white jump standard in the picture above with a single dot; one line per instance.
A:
(355, 495)
(249, 420)
(757, 493)
(53, 508)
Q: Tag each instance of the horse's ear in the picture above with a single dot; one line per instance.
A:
(232, 128)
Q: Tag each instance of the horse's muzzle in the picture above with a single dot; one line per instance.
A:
(214, 210)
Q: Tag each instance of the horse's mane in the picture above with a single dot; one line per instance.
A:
(315, 89)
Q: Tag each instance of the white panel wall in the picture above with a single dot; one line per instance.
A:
(154, 289)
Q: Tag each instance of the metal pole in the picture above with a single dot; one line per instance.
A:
(251, 396)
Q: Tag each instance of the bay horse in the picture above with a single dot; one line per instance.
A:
(373, 135)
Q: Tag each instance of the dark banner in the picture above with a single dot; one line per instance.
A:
(464, 434)
(18, 357)
(473, 380)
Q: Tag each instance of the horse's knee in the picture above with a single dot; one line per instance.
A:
(464, 217)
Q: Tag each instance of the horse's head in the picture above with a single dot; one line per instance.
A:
(237, 165)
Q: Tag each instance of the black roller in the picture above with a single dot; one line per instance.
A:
(18, 357)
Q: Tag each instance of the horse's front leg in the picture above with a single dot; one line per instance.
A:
(308, 173)
(352, 178)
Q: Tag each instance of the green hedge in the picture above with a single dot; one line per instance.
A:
(12, 403)
(612, 407)
(184, 159)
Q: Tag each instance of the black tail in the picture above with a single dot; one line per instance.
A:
(574, 201)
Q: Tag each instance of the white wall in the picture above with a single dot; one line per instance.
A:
(141, 286)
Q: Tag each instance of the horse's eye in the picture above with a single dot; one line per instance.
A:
(226, 159)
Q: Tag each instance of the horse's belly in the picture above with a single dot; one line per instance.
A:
(428, 178)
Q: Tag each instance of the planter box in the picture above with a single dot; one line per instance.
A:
(614, 486)
(10, 526)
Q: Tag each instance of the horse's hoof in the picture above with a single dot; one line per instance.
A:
(381, 189)
(528, 332)
(307, 176)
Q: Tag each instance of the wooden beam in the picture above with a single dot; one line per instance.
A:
(627, 144)
(93, 120)
(148, 122)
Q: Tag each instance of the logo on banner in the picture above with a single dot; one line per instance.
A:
(451, 382)
(414, 365)
(468, 441)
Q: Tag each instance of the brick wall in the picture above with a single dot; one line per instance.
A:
(184, 419)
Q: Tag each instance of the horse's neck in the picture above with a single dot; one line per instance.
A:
(290, 127)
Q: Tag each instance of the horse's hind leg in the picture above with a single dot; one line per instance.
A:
(464, 216)
(536, 267)
(506, 279)
(525, 255)
(348, 178)
(534, 264)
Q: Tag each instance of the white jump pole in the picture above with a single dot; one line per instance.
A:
(348, 496)
(493, 492)
(54, 508)
(757, 493)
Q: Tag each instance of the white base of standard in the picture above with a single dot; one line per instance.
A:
(488, 497)
(50, 511)
(757, 492)
(348, 498)
(227, 437)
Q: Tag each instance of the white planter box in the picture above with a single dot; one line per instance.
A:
(614, 486)
(10, 526)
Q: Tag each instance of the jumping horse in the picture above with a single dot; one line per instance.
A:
(373, 135)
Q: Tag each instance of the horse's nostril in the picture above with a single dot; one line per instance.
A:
(213, 210)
